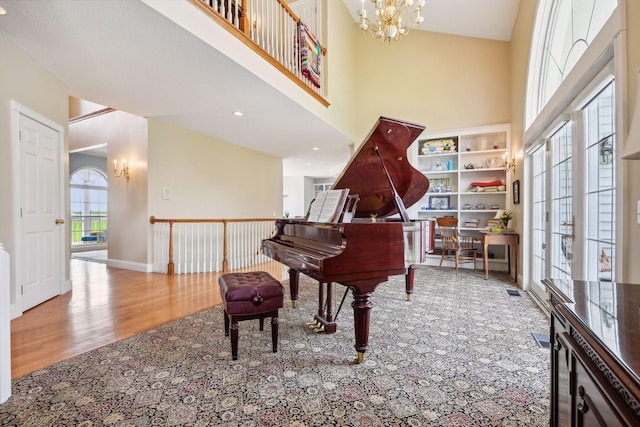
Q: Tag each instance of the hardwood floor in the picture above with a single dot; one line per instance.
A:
(107, 305)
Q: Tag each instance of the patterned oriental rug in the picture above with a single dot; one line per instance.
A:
(461, 353)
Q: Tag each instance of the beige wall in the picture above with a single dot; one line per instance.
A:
(519, 52)
(28, 83)
(340, 63)
(209, 178)
(128, 215)
(437, 80)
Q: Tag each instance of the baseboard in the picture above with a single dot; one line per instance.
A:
(494, 264)
(14, 311)
(540, 303)
(128, 265)
(66, 287)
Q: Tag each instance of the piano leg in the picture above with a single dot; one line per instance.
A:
(321, 299)
(323, 321)
(316, 325)
(330, 302)
(294, 275)
(361, 317)
(411, 273)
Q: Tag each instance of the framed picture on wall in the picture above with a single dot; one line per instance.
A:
(516, 192)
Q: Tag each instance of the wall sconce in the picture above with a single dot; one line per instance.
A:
(509, 165)
(124, 172)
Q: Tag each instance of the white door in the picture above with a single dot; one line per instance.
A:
(309, 13)
(41, 220)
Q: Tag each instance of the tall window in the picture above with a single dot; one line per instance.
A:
(600, 194)
(88, 188)
(562, 217)
(573, 228)
(539, 214)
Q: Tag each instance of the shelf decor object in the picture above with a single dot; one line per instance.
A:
(439, 202)
(438, 185)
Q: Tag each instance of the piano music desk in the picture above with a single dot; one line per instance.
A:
(509, 238)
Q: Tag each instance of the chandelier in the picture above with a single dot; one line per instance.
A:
(393, 18)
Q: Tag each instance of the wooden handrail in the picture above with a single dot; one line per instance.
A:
(225, 260)
(243, 35)
(153, 220)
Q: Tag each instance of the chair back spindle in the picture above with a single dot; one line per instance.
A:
(455, 246)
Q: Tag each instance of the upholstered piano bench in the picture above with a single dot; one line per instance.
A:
(252, 295)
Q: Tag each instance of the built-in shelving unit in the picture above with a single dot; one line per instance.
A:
(466, 170)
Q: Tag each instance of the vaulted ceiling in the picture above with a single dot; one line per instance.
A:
(127, 56)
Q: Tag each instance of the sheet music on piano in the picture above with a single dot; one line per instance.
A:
(328, 206)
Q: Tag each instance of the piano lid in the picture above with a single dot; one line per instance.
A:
(365, 174)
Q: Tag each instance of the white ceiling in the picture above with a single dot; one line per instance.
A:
(158, 70)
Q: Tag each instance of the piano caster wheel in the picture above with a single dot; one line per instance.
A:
(313, 325)
(408, 297)
(359, 358)
(319, 329)
(294, 304)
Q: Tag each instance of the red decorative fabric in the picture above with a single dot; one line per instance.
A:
(310, 54)
(486, 184)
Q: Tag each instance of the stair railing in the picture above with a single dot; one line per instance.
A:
(183, 246)
(270, 28)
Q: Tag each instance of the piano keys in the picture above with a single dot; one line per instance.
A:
(361, 254)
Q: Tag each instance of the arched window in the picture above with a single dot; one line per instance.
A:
(564, 30)
(88, 188)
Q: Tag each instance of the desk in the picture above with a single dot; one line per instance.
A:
(504, 238)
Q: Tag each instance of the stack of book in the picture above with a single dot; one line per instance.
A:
(493, 223)
(471, 223)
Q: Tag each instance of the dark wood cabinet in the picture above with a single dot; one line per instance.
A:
(595, 353)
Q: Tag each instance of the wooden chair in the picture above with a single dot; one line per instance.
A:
(454, 245)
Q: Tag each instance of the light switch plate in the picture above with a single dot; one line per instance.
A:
(166, 193)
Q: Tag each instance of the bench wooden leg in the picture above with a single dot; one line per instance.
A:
(234, 339)
(274, 333)
(226, 324)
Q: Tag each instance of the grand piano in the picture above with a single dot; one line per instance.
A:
(366, 246)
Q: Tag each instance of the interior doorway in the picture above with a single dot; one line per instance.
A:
(88, 189)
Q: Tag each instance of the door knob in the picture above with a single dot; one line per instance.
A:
(59, 221)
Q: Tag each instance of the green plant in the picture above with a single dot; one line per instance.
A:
(505, 217)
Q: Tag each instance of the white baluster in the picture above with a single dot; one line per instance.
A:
(236, 21)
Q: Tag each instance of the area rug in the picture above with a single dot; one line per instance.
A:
(460, 353)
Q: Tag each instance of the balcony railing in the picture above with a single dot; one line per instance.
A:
(183, 246)
(272, 30)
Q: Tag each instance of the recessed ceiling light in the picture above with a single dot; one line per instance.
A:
(238, 113)
(315, 148)
(2, 11)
